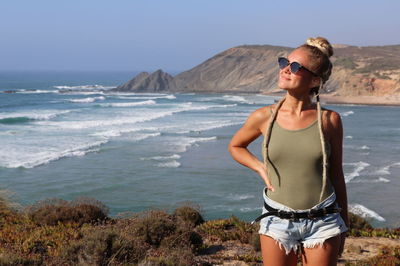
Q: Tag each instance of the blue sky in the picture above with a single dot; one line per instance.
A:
(135, 35)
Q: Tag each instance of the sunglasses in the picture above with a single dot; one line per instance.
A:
(293, 66)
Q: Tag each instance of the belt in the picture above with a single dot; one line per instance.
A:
(311, 214)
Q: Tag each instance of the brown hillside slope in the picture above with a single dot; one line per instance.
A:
(239, 69)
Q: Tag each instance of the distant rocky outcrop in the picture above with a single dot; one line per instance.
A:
(372, 70)
(145, 82)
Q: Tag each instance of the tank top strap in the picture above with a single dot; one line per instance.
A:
(270, 111)
(324, 121)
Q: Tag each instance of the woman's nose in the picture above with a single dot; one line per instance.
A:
(286, 69)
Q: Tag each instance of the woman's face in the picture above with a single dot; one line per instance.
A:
(302, 81)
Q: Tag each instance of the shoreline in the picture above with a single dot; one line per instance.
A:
(362, 100)
(393, 100)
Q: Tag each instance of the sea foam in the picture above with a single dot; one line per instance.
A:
(42, 156)
(378, 180)
(365, 212)
(171, 164)
(207, 125)
(84, 87)
(23, 91)
(186, 142)
(38, 115)
(358, 167)
(87, 100)
(386, 169)
(248, 209)
(347, 113)
(239, 197)
(129, 104)
(170, 97)
(234, 98)
(163, 158)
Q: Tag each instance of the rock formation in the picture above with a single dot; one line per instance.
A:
(145, 82)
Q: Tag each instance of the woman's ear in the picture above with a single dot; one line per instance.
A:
(316, 82)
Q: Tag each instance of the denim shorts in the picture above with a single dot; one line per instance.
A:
(309, 232)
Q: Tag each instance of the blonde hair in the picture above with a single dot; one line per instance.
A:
(320, 51)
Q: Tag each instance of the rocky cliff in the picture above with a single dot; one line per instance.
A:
(373, 70)
(145, 82)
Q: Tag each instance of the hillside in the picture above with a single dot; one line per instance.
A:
(372, 71)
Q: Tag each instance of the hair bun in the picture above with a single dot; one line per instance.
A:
(322, 44)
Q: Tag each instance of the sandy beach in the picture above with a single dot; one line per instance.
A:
(393, 100)
(362, 100)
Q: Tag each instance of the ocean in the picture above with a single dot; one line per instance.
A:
(65, 135)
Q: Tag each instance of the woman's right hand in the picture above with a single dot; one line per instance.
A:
(263, 174)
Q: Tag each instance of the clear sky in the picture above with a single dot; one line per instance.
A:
(175, 35)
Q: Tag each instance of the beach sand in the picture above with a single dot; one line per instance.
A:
(362, 100)
(393, 100)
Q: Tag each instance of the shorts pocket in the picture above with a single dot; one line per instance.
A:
(330, 218)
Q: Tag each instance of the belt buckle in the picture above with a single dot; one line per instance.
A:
(293, 217)
(286, 215)
(312, 214)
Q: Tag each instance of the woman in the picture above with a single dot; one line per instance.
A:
(305, 196)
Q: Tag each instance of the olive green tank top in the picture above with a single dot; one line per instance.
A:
(295, 166)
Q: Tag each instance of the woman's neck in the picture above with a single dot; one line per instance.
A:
(295, 104)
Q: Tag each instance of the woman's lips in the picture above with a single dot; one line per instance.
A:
(284, 78)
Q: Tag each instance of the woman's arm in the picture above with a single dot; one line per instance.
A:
(335, 163)
(251, 130)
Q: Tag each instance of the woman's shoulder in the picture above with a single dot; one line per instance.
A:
(332, 123)
(330, 116)
(259, 117)
(262, 113)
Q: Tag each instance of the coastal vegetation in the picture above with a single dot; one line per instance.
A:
(345, 62)
(80, 232)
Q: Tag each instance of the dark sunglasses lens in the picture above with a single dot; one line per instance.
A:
(283, 62)
(294, 67)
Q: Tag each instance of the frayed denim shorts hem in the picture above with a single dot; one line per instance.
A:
(291, 234)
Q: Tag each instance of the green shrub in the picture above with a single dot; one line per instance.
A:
(379, 64)
(105, 247)
(255, 241)
(345, 62)
(359, 223)
(7, 206)
(188, 214)
(161, 230)
(53, 211)
(360, 227)
(182, 238)
(381, 76)
(172, 257)
(249, 258)
(228, 229)
(153, 226)
(11, 259)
